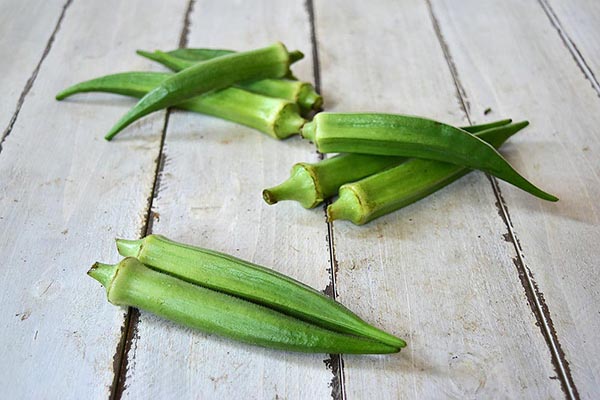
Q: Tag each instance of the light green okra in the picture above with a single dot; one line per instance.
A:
(409, 136)
(276, 117)
(397, 187)
(131, 283)
(302, 93)
(251, 282)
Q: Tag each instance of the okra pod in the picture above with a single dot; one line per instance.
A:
(251, 282)
(302, 93)
(217, 73)
(195, 54)
(397, 187)
(131, 283)
(310, 184)
(276, 117)
(409, 136)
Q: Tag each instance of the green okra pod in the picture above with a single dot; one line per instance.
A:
(311, 183)
(199, 54)
(251, 282)
(218, 73)
(131, 283)
(397, 187)
(276, 117)
(302, 93)
(409, 136)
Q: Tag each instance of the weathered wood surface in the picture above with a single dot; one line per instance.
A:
(438, 272)
(209, 194)
(65, 194)
(23, 44)
(495, 291)
(541, 82)
(578, 24)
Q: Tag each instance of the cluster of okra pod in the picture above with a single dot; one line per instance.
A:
(385, 162)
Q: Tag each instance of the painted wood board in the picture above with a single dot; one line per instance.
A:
(541, 82)
(439, 272)
(26, 28)
(210, 195)
(577, 23)
(65, 194)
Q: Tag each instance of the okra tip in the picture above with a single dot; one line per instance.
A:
(289, 121)
(129, 248)
(309, 99)
(300, 186)
(103, 273)
(309, 130)
(347, 206)
(295, 55)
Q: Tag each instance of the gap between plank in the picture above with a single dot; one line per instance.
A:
(534, 296)
(577, 56)
(34, 74)
(129, 331)
(335, 362)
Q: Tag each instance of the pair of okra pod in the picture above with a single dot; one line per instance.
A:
(221, 294)
(272, 106)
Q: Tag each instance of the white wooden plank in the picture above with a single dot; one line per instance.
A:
(541, 82)
(25, 28)
(65, 194)
(210, 195)
(578, 24)
(438, 272)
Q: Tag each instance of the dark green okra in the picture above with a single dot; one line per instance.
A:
(409, 136)
(251, 282)
(397, 187)
(276, 117)
(218, 73)
(310, 184)
(302, 93)
(131, 283)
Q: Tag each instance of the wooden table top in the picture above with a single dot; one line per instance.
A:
(496, 292)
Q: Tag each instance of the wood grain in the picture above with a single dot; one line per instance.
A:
(541, 82)
(22, 46)
(65, 194)
(210, 195)
(439, 272)
(577, 24)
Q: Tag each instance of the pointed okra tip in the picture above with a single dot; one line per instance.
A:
(103, 273)
(348, 206)
(300, 187)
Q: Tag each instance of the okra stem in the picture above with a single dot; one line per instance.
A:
(276, 117)
(310, 184)
(251, 282)
(130, 283)
(397, 187)
(408, 136)
(302, 93)
(218, 73)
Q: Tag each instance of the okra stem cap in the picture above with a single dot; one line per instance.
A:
(129, 248)
(300, 186)
(103, 273)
